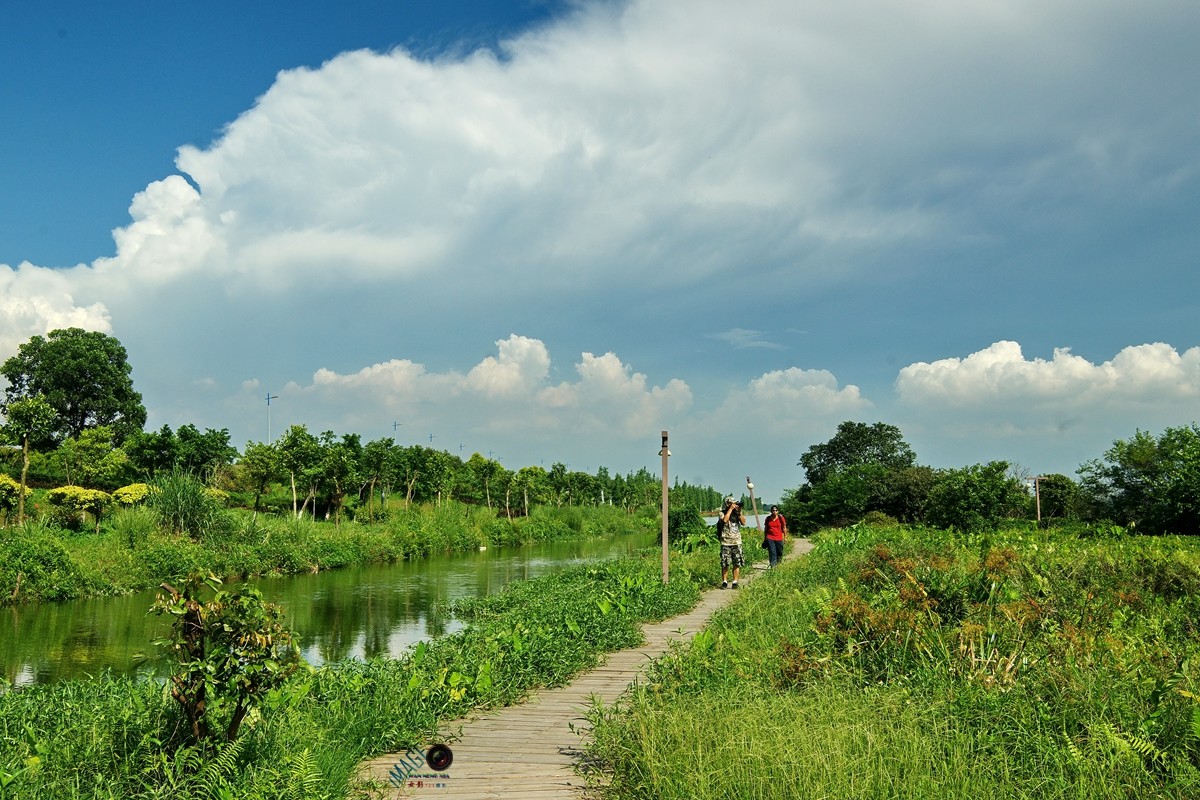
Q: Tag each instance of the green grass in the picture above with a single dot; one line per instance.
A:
(913, 663)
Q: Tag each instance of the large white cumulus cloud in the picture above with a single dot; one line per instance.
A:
(1000, 376)
(690, 138)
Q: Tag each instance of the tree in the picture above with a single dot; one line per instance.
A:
(204, 453)
(260, 467)
(857, 443)
(376, 469)
(300, 456)
(93, 460)
(152, 452)
(339, 467)
(1149, 483)
(83, 375)
(1058, 496)
(976, 498)
(29, 420)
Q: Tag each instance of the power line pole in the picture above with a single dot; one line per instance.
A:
(270, 397)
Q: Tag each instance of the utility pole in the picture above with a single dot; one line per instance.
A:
(270, 397)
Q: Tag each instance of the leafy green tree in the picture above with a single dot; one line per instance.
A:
(152, 452)
(85, 377)
(376, 471)
(234, 650)
(300, 456)
(842, 499)
(976, 498)
(1152, 484)
(260, 466)
(559, 482)
(74, 502)
(339, 467)
(482, 473)
(857, 443)
(532, 482)
(1059, 497)
(93, 460)
(30, 420)
(903, 494)
(204, 453)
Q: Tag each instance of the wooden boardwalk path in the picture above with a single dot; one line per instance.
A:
(529, 751)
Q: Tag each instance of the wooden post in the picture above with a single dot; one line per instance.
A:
(1037, 496)
(664, 453)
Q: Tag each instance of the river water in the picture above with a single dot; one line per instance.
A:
(356, 612)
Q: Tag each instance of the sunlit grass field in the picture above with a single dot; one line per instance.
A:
(895, 663)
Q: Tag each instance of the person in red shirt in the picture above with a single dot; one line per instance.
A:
(776, 529)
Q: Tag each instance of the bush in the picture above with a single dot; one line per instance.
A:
(73, 503)
(34, 566)
(132, 494)
(183, 505)
(10, 495)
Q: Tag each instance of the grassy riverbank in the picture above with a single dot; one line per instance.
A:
(913, 664)
(119, 737)
(41, 562)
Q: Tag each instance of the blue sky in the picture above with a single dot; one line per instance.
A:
(549, 230)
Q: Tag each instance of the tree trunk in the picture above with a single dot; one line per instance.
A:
(24, 473)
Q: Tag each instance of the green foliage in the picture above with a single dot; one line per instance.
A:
(35, 567)
(117, 737)
(1059, 498)
(857, 444)
(686, 527)
(83, 375)
(135, 525)
(233, 650)
(909, 662)
(1149, 483)
(132, 494)
(189, 450)
(93, 460)
(976, 497)
(11, 493)
(184, 505)
(863, 468)
(73, 504)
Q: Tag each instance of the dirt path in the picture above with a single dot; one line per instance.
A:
(529, 751)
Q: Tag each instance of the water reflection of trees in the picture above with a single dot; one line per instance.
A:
(368, 612)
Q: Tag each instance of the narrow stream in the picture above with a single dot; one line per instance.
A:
(357, 612)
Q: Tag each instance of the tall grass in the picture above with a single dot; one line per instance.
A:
(912, 663)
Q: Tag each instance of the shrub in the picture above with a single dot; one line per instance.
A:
(74, 503)
(132, 494)
(10, 494)
(233, 649)
(34, 566)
